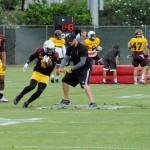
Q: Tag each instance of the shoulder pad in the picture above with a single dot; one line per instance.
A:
(39, 50)
(56, 54)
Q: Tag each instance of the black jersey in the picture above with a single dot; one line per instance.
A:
(40, 65)
(76, 52)
(112, 53)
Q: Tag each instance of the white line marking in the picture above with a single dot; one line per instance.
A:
(77, 147)
(5, 121)
(73, 122)
(86, 107)
(66, 132)
(136, 96)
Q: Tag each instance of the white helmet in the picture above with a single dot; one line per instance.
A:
(91, 34)
(48, 45)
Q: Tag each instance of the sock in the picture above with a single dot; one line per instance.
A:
(104, 80)
(115, 80)
(135, 78)
(52, 76)
(57, 77)
(143, 76)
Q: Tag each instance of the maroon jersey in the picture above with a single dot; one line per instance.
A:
(40, 65)
(2, 41)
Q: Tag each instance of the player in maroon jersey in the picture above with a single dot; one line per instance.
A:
(2, 68)
(47, 58)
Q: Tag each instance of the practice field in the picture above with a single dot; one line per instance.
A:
(121, 121)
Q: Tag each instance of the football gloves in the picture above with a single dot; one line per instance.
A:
(25, 67)
(45, 59)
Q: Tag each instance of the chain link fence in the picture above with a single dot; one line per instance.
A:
(21, 41)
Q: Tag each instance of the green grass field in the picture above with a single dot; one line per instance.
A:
(121, 121)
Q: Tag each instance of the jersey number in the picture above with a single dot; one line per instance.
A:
(137, 46)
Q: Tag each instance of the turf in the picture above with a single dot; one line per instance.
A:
(120, 122)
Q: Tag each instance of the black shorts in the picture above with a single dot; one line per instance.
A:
(139, 60)
(110, 63)
(79, 76)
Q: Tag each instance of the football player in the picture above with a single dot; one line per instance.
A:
(138, 45)
(46, 61)
(2, 68)
(60, 49)
(93, 45)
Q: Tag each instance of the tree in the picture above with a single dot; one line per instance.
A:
(116, 12)
(9, 4)
(40, 13)
(1, 15)
(125, 12)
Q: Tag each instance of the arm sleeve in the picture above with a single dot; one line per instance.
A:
(80, 64)
(32, 57)
(64, 61)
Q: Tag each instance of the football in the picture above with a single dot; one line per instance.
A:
(49, 62)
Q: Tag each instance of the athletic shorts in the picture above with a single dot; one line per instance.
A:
(79, 76)
(110, 63)
(139, 60)
(2, 71)
(40, 78)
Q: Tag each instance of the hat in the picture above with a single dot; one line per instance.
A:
(71, 37)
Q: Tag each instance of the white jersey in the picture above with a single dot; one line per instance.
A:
(61, 51)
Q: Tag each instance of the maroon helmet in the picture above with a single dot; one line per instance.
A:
(138, 33)
(58, 33)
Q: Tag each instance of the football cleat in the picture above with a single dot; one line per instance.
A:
(25, 105)
(142, 81)
(17, 99)
(64, 102)
(57, 81)
(92, 105)
(52, 80)
(135, 83)
(3, 99)
(116, 83)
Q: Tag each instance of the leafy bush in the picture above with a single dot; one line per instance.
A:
(125, 12)
(40, 13)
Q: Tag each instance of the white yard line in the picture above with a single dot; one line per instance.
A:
(66, 132)
(76, 147)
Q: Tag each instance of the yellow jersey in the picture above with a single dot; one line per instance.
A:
(58, 43)
(138, 44)
(91, 45)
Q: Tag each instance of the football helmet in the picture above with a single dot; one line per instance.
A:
(139, 33)
(91, 35)
(49, 47)
(58, 34)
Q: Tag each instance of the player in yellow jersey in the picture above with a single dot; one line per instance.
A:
(60, 49)
(93, 45)
(138, 45)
